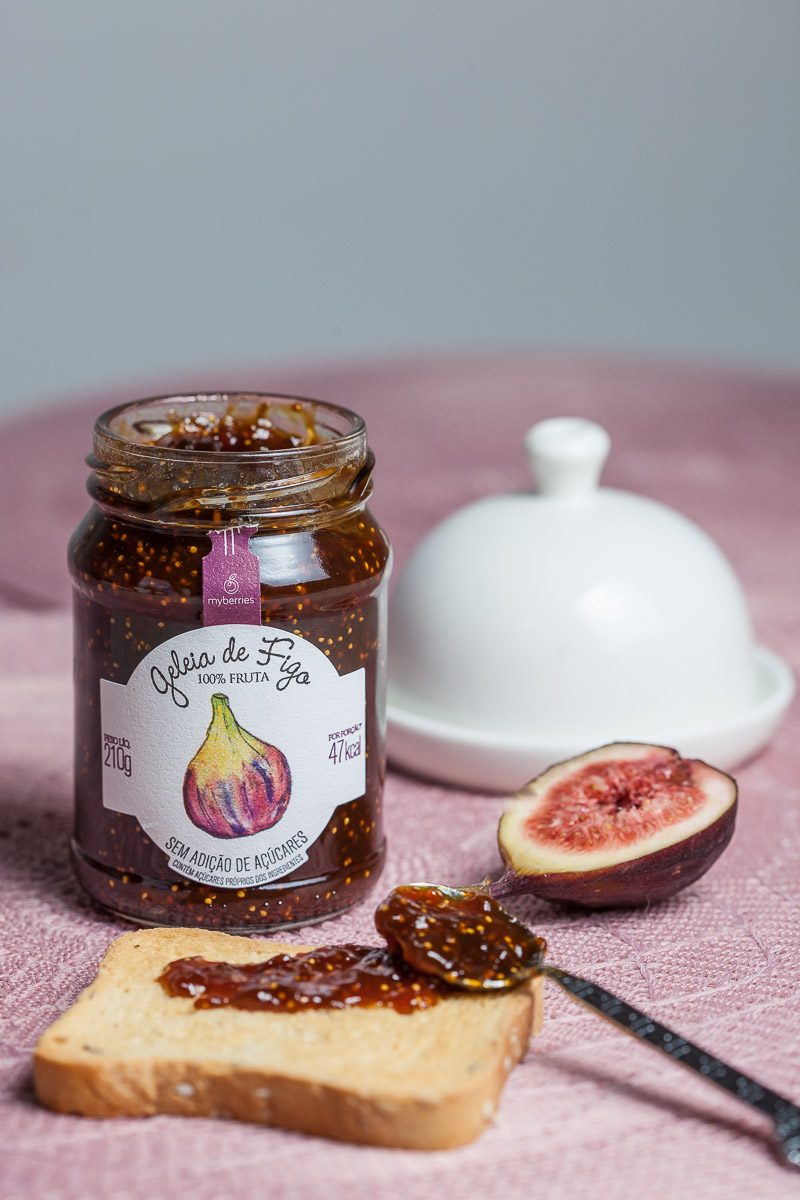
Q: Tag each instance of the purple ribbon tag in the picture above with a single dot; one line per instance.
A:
(231, 582)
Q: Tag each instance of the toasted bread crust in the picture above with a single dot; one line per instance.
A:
(366, 1076)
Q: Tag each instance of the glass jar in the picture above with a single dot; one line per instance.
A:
(230, 669)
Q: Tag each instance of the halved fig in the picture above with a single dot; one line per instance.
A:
(624, 824)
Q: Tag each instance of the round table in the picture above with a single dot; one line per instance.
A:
(589, 1113)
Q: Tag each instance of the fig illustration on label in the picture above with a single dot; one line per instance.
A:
(236, 784)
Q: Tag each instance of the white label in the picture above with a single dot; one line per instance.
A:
(232, 746)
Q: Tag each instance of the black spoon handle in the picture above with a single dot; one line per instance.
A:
(783, 1112)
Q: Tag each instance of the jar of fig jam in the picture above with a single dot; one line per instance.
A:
(230, 610)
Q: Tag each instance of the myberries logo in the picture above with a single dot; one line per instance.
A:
(231, 579)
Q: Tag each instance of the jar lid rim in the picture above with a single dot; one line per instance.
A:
(104, 428)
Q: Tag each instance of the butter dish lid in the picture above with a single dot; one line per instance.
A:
(529, 627)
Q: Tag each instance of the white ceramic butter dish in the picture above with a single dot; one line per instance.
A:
(530, 627)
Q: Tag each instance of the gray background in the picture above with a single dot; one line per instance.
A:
(190, 183)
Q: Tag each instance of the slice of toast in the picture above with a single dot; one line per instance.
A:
(424, 1080)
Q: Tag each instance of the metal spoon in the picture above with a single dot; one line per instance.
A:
(467, 939)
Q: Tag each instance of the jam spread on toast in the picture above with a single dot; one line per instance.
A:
(439, 941)
(329, 977)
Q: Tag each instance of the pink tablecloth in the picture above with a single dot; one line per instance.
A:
(589, 1113)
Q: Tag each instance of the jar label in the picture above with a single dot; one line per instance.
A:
(231, 579)
(233, 746)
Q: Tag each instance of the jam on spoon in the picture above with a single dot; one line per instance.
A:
(464, 937)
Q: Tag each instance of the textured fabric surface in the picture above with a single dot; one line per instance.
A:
(589, 1113)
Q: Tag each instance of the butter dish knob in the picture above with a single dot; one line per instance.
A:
(567, 455)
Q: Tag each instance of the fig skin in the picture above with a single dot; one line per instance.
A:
(634, 881)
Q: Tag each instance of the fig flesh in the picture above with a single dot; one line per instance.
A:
(624, 824)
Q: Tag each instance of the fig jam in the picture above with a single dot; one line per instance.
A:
(345, 976)
(462, 936)
(229, 772)
(439, 941)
